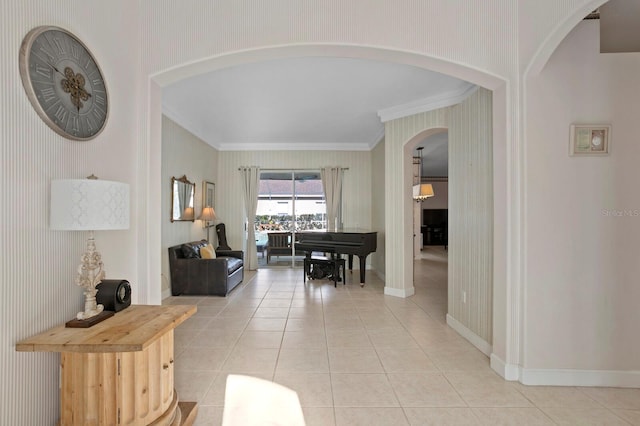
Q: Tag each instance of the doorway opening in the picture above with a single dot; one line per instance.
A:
(289, 202)
(397, 262)
(430, 267)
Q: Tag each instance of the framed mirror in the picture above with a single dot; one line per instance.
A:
(182, 198)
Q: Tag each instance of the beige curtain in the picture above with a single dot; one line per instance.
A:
(332, 186)
(250, 181)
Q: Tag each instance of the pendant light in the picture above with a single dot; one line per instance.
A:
(422, 191)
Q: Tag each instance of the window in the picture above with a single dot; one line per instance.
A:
(290, 201)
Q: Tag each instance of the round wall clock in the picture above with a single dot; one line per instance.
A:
(64, 83)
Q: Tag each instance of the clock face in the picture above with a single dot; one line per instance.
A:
(64, 83)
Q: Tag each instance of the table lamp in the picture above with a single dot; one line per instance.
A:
(89, 205)
(207, 215)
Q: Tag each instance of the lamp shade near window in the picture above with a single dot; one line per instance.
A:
(208, 214)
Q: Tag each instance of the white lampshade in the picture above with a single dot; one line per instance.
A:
(208, 214)
(423, 191)
(89, 205)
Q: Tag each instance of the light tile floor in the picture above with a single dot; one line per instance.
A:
(357, 357)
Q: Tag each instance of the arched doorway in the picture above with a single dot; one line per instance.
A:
(429, 150)
(398, 265)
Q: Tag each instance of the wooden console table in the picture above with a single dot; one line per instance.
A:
(120, 371)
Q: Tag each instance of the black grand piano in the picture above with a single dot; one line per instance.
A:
(349, 242)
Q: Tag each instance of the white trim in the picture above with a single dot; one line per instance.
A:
(186, 123)
(562, 377)
(507, 371)
(286, 146)
(378, 138)
(427, 104)
(482, 345)
(555, 37)
(166, 293)
(565, 377)
(399, 292)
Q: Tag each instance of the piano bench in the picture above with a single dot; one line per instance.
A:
(330, 264)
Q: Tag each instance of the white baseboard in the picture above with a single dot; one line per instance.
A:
(507, 371)
(166, 293)
(399, 292)
(484, 346)
(564, 377)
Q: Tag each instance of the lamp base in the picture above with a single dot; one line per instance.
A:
(89, 322)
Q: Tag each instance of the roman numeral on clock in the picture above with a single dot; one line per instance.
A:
(44, 71)
(61, 113)
(48, 94)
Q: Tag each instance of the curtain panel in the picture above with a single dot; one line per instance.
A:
(250, 180)
(332, 186)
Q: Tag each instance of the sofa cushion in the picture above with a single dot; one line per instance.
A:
(207, 252)
(190, 251)
(233, 264)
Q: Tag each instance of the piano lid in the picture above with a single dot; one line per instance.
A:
(338, 231)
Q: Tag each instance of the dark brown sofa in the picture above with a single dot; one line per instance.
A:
(192, 275)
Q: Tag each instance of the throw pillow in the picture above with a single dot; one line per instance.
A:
(207, 252)
(190, 252)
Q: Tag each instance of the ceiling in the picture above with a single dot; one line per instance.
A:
(321, 103)
(435, 155)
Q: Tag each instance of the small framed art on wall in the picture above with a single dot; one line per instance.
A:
(208, 194)
(590, 139)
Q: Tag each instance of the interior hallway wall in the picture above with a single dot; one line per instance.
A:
(583, 218)
(377, 207)
(38, 266)
(183, 154)
(470, 268)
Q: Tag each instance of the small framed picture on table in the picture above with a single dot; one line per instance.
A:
(590, 139)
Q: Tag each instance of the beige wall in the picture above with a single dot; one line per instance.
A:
(401, 137)
(470, 203)
(38, 265)
(377, 206)
(470, 272)
(582, 258)
(183, 154)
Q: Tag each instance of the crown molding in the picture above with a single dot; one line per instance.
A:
(192, 128)
(427, 104)
(292, 146)
(379, 138)
(187, 124)
(387, 114)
